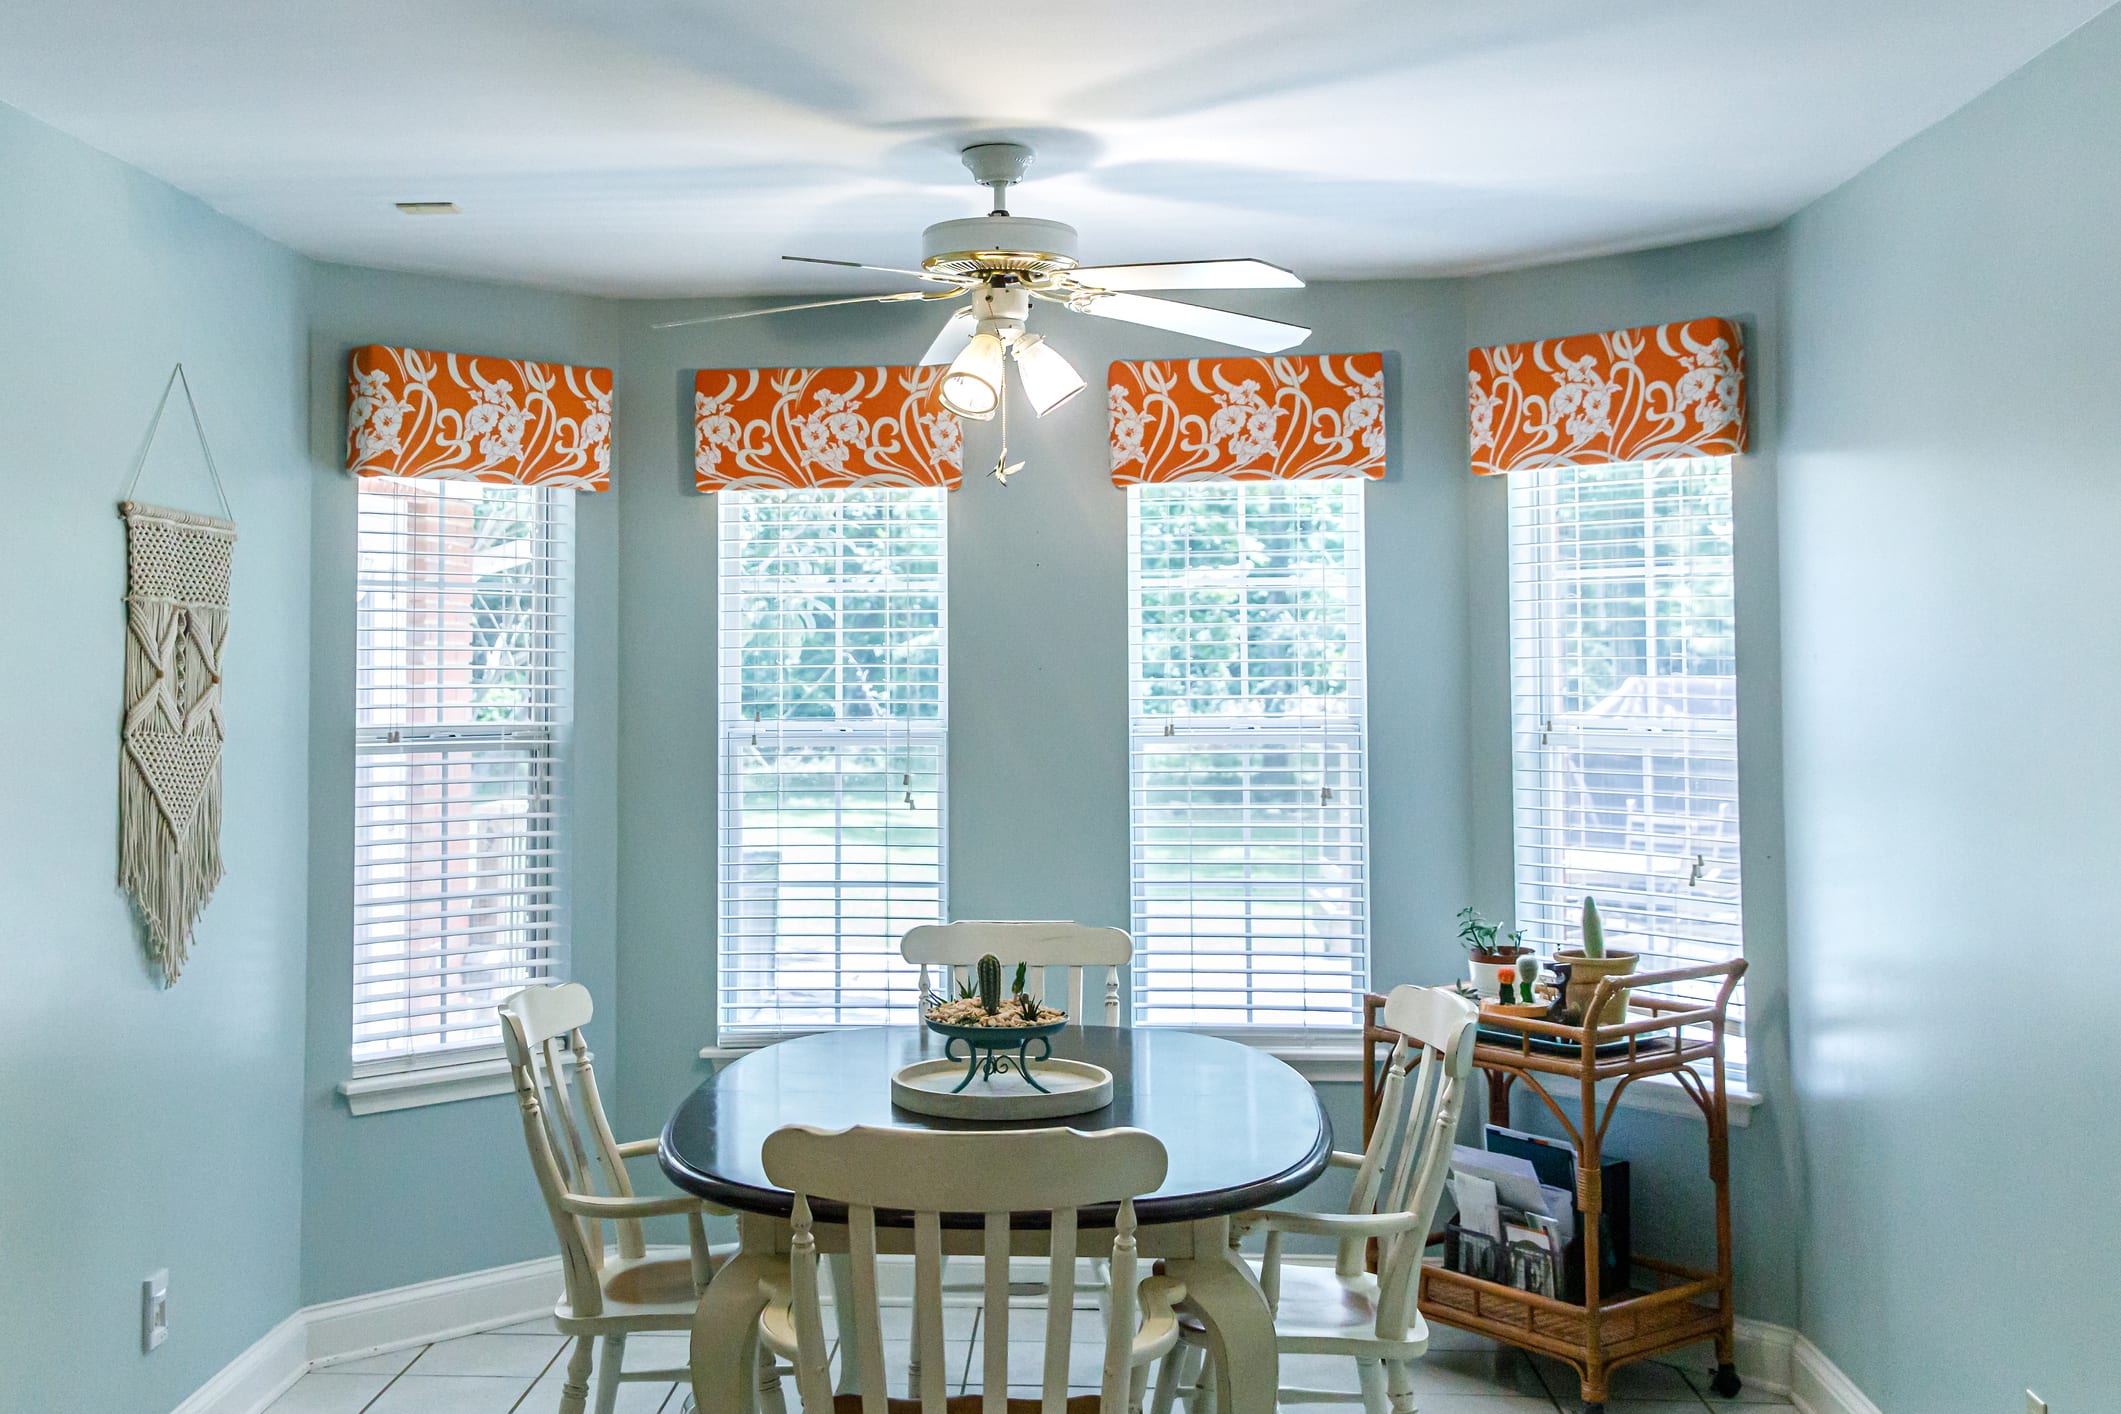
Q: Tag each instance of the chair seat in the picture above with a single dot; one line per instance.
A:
(1321, 1311)
(650, 1292)
(965, 1404)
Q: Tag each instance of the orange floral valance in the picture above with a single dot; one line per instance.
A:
(787, 429)
(413, 412)
(1664, 390)
(1248, 419)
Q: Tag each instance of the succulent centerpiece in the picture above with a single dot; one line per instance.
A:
(990, 1025)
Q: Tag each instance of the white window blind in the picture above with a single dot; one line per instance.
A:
(834, 734)
(1249, 812)
(1624, 710)
(462, 706)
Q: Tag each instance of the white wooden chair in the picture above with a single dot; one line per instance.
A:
(1047, 1174)
(953, 948)
(641, 1288)
(1398, 1180)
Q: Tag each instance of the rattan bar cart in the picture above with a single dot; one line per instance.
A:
(1679, 1305)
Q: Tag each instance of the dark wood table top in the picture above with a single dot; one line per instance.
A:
(1242, 1129)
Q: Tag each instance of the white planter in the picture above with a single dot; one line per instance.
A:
(1487, 976)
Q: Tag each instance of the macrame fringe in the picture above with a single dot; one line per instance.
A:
(170, 880)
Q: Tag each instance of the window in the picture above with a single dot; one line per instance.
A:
(1249, 818)
(1624, 709)
(462, 706)
(833, 671)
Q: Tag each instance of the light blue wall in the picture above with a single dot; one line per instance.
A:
(1038, 804)
(1736, 278)
(144, 1128)
(415, 1194)
(1927, 520)
(1951, 507)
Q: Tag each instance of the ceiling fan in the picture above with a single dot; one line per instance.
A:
(1004, 263)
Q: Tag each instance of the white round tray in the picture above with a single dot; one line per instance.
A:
(1073, 1087)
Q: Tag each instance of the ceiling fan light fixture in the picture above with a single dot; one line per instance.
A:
(972, 386)
(1048, 379)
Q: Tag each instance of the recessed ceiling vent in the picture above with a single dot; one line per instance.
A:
(428, 208)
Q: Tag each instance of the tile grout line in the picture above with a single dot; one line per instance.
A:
(1552, 1398)
(964, 1380)
(543, 1370)
(392, 1380)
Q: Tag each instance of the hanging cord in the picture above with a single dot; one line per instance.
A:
(176, 377)
(1002, 469)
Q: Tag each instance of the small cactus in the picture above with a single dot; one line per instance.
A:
(990, 984)
(1527, 975)
(1027, 1006)
(1593, 929)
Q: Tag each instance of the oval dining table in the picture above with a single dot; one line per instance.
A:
(1241, 1130)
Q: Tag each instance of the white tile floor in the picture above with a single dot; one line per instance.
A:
(519, 1371)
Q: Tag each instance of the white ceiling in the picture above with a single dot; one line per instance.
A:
(677, 147)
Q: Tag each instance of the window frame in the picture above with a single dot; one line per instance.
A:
(1324, 1046)
(1701, 743)
(913, 735)
(545, 744)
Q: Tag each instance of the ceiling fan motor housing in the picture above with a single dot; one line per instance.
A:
(994, 245)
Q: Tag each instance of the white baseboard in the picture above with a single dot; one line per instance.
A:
(430, 1311)
(1770, 1357)
(255, 1378)
(1763, 1354)
(325, 1334)
(1817, 1385)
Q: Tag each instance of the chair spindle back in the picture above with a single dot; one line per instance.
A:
(947, 952)
(563, 1125)
(1409, 1152)
(1052, 1172)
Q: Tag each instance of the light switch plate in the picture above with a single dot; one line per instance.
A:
(154, 1310)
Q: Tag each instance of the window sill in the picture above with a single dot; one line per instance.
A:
(1327, 1062)
(737, 1047)
(1338, 1061)
(429, 1085)
(1655, 1094)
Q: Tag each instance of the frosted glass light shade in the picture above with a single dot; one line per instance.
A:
(972, 387)
(1049, 380)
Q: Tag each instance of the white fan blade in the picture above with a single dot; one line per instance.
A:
(951, 341)
(886, 269)
(791, 308)
(1224, 327)
(1187, 275)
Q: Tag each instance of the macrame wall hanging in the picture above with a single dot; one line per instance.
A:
(169, 767)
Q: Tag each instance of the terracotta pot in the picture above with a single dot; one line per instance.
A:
(1487, 970)
(1584, 976)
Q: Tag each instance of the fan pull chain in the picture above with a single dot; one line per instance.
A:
(1003, 470)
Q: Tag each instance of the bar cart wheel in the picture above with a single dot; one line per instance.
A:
(1725, 1382)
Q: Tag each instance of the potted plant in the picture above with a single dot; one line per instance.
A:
(1489, 952)
(1590, 964)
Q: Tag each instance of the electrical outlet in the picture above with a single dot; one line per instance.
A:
(2034, 1404)
(154, 1310)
